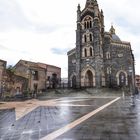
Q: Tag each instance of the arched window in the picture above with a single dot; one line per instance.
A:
(91, 53)
(122, 79)
(74, 81)
(85, 25)
(108, 70)
(90, 24)
(85, 38)
(87, 22)
(108, 55)
(90, 37)
(85, 52)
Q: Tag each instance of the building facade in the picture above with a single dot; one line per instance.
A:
(137, 80)
(10, 83)
(100, 59)
(2, 73)
(38, 74)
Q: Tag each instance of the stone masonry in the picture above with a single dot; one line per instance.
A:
(100, 59)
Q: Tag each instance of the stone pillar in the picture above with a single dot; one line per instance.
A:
(98, 52)
(78, 59)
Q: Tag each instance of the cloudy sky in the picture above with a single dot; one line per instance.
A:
(44, 30)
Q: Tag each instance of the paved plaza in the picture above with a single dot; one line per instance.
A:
(71, 118)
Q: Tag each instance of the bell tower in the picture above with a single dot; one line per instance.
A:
(89, 42)
(100, 59)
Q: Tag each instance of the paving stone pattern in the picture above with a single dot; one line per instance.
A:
(119, 121)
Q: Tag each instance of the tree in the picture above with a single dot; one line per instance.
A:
(9, 78)
(10, 73)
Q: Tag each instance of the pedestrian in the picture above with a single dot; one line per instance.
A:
(34, 94)
(136, 92)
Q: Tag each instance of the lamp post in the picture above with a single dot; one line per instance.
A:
(123, 85)
(131, 86)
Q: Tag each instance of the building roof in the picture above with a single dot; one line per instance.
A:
(115, 37)
(3, 61)
(42, 65)
(113, 34)
(36, 64)
(71, 51)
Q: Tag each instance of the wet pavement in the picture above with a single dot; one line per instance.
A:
(71, 118)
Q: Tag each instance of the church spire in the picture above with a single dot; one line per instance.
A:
(112, 30)
(89, 3)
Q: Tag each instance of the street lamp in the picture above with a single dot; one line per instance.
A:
(123, 85)
(131, 86)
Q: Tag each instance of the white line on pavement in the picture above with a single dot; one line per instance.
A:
(73, 124)
(138, 100)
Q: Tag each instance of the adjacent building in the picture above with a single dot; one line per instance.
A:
(27, 76)
(100, 58)
(2, 73)
(40, 76)
(137, 80)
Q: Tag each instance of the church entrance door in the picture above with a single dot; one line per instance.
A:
(74, 81)
(89, 79)
(122, 79)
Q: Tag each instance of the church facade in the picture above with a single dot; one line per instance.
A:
(100, 58)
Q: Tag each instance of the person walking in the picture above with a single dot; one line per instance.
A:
(137, 92)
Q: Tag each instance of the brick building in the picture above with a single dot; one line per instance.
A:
(100, 58)
(38, 74)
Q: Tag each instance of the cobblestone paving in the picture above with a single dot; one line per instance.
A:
(119, 121)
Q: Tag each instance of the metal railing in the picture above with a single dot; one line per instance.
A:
(78, 85)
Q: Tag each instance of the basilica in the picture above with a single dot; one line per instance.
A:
(100, 58)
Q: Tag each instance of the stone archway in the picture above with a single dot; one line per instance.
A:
(73, 80)
(88, 77)
(122, 79)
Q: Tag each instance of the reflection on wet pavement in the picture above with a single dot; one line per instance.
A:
(35, 119)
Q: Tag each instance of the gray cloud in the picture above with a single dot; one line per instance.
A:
(59, 51)
(124, 14)
(128, 26)
(12, 17)
(46, 28)
(3, 47)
